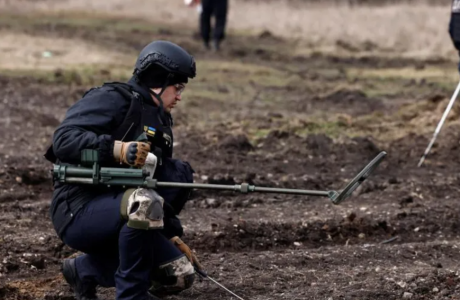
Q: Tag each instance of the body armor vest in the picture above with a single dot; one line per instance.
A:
(144, 118)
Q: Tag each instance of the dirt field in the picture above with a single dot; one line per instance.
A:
(267, 111)
(387, 27)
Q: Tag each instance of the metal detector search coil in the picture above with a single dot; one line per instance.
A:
(356, 182)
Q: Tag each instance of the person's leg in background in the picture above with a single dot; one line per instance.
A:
(220, 13)
(205, 21)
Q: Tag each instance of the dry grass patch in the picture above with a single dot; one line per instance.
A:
(22, 51)
(448, 74)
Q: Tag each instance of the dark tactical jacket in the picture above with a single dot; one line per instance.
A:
(103, 115)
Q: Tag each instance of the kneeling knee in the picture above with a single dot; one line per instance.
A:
(142, 208)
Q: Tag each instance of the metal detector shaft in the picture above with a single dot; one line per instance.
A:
(438, 128)
(140, 178)
(244, 188)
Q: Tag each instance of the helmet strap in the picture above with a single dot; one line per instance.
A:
(158, 96)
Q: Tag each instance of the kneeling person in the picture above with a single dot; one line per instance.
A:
(130, 237)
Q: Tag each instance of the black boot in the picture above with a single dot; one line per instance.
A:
(82, 291)
(151, 297)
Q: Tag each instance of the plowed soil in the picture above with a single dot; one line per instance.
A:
(397, 237)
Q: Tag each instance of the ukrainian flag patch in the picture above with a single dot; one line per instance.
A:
(149, 130)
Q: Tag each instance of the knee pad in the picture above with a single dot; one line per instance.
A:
(143, 208)
(173, 277)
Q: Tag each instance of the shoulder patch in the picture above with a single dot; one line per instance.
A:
(150, 131)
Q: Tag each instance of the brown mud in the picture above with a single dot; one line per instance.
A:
(397, 237)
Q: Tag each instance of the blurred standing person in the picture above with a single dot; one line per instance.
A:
(218, 9)
(454, 25)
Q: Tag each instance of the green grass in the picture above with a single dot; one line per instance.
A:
(258, 134)
(241, 73)
(399, 81)
(330, 128)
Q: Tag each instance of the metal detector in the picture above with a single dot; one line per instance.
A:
(140, 178)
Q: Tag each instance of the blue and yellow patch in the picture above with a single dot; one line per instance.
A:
(150, 131)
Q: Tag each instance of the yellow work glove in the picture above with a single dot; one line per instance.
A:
(131, 153)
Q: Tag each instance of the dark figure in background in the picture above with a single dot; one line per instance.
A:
(218, 9)
(454, 25)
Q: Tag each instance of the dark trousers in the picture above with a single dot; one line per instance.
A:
(454, 30)
(116, 255)
(218, 9)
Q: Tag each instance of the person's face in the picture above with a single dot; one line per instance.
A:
(170, 96)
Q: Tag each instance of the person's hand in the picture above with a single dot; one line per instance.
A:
(187, 251)
(131, 153)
